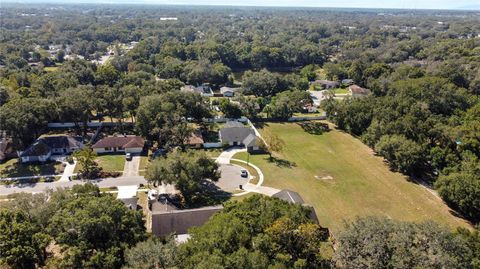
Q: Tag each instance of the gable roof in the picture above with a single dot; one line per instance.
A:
(235, 134)
(289, 196)
(228, 89)
(43, 145)
(251, 141)
(39, 148)
(62, 141)
(120, 142)
(355, 89)
(195, 138)
(327, 82)
(231, 124)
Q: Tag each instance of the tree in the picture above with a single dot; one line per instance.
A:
(259, 232)
(284, 104)
(308, 72)
(263, 83)
(23, 244)
(382, 243)
(229, 109)
(404, 155)
(461, 188)
(94, 231)
(152, 254)
(273, 143)
(190, 172)
(86, 159)
(25, 119)
(107, 74)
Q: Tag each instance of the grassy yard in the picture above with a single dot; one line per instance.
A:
(109, 163)
(342, 178)
(13, 168)
(340, 91)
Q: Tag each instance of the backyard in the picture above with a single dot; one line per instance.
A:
(342, 178)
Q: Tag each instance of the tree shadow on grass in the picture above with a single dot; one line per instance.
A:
(281, 162)
(21, 170)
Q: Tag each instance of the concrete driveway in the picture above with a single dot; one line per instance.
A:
(131, 167)
(231, 177)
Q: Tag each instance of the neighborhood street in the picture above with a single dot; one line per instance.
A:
(41, 187)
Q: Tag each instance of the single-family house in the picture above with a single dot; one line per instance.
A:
(204, 89)
(347, 82)
(195, 140)
(125, 143)
(357, 91)
(229, 92)
(311, 108)
(234, 133)
(44, 147)
(167, 218)
(327, 84)
(318, 96)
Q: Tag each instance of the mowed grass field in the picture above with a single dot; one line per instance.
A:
(341, 178)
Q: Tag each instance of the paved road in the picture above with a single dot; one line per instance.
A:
(131, 167)
(227, 154)
(41, 187)
(230, 177)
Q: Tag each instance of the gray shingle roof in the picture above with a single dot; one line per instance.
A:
(289, 196)
(251, 141)
(235, 134)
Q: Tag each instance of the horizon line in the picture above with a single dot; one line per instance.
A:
(92, 2)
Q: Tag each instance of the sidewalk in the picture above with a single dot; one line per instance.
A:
(68, 171)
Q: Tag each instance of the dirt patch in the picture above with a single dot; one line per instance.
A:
(324, 177)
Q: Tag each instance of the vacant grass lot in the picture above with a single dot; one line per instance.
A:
(341, 178)
(13, 168)
(109, 163)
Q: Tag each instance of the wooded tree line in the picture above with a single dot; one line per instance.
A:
(81, 228)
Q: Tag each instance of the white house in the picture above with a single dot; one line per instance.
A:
(44, 147)
(229, 92)
(112, 144)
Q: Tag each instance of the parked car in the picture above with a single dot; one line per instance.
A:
(128, 156)
(244, 173)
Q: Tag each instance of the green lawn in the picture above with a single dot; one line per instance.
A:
(109, 163)
(341, 91)
(342, 178)
(13, 168)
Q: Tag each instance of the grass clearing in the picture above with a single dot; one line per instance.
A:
(109, 163)
(341, 178)
(14, 168)
(341, 91)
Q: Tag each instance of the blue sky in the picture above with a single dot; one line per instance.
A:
(409, 4)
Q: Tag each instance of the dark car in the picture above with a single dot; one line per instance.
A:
(128, 156)
(244, 173)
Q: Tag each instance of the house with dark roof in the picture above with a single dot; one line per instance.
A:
(204, 89)
(166, 218)
(327, 84)
(229, 92)
(44, 147)
(234, 133)
(295, 198)
(357, 91)
(124, 144)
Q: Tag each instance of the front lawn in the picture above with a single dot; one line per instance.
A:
(13, 168)
(342, 178)
(108, 163)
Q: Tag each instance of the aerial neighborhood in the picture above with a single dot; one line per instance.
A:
(164, 136)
